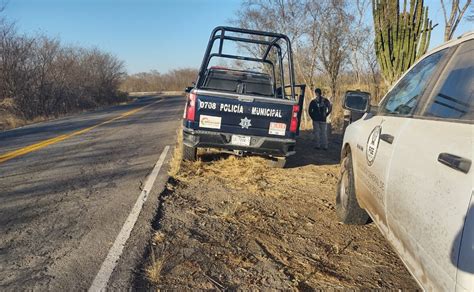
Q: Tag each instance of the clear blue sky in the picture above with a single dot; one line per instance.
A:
(146, 34)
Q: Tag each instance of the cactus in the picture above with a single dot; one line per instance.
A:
(401, 37)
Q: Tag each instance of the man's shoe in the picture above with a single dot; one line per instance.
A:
(325, 149)
(317, 148)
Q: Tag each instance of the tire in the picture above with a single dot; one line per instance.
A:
(280, 162)
(347, 208)
(189, 153)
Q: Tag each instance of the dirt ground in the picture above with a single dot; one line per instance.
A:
(235, 223)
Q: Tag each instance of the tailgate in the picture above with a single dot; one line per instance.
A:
(244, 115)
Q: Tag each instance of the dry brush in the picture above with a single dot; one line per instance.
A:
(40, 77)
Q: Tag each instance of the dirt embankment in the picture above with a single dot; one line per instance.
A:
(235, 223)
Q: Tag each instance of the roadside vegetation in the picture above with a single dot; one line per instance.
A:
(42, 78)
(338, 45)
(154, 81)
(345, 45)
(336, 48)
(332, 41)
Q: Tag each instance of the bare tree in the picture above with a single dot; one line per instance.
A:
(307, 49)
(358, 39)
(455, 16)
(299, 20)
(470, 17)
(285, 16)
(44, 58)
(335, 41)
(330, 39)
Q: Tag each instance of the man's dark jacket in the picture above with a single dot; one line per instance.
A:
(319, 109)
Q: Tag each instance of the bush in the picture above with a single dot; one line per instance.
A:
(41, 77)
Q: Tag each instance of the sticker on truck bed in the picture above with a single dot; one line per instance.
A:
(210, 122)
(277, 129)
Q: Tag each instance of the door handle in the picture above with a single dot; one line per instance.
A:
(387, 138)
(455, 162)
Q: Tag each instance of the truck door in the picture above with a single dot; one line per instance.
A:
(380, 137)
(372, 158)
(431, 178)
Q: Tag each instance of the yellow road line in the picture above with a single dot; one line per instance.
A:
(34, 147)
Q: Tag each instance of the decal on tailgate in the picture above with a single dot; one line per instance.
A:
(210, 122)
(277, 129)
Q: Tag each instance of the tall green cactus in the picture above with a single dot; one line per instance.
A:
(401, 37)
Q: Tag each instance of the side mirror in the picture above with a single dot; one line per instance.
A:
(357, 101)
(188, 89)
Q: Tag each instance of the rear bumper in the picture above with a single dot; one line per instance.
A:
(259, 145)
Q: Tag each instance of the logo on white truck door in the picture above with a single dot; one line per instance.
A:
(210, 122)
(373, 145)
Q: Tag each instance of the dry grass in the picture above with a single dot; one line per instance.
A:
(251, 174)
(153, 271)
(240, 173)
(236, 171)
(9, 121)
(175, 163)
(159, 237)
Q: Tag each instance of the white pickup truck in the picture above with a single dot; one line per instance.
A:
(408, 165)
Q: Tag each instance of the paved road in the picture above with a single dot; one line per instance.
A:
(63, 204)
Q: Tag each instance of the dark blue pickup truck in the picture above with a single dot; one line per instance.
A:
(245, 110)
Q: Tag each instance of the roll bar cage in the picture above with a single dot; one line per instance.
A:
(219, 33)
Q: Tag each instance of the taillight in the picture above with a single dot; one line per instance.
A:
(191, 107)
(294, 119)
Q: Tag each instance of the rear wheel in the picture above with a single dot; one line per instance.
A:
(189, 153)
(347, 208)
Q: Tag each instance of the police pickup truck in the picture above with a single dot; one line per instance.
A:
(408, 165)
(244, 109)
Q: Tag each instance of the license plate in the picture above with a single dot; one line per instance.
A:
(240, 140)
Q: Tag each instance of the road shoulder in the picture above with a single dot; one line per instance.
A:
(236, 223)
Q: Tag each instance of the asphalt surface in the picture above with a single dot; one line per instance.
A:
(62, 206)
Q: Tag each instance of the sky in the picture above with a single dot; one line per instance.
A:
(148, 35)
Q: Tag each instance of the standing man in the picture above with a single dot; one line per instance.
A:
(319, 109)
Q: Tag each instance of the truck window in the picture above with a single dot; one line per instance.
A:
(453, 96)
(259, 88)
(239, 82)
(403, 98)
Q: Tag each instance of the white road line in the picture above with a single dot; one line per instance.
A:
(108, 266)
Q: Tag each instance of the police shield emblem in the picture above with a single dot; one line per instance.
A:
(373, 145)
